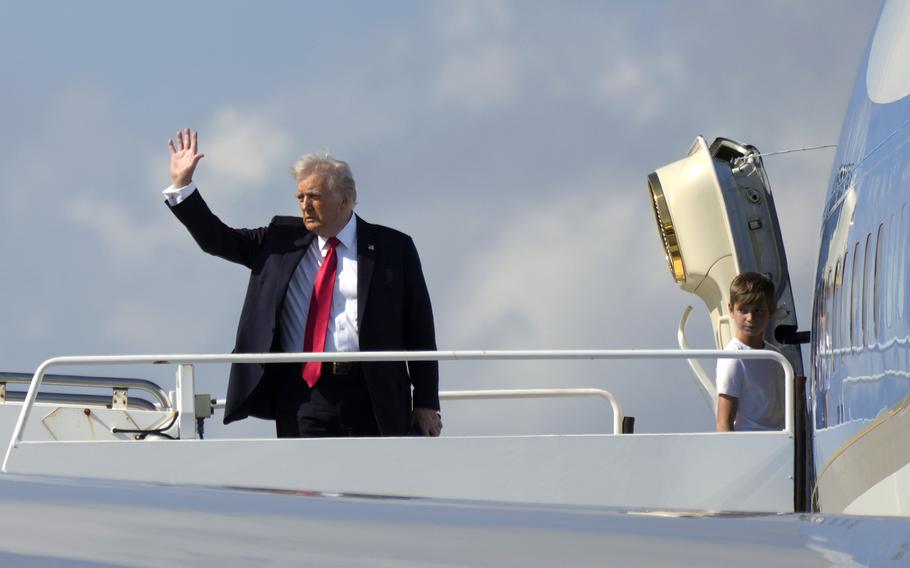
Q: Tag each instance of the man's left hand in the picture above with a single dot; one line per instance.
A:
(428, 421)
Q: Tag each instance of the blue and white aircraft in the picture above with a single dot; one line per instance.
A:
(860, 377)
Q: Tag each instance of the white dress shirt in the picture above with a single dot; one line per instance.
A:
(343, 334)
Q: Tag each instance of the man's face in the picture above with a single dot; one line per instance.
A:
(751, 319)
(325, 212)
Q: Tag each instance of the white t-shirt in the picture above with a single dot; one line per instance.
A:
(759, 386)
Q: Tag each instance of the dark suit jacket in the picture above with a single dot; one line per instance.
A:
(394, 311)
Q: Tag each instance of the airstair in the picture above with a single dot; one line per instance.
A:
(716, 218)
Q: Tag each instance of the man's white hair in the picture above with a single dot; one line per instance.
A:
(337, 172)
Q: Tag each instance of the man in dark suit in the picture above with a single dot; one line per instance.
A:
(332, 282)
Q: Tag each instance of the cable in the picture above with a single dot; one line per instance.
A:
(748, 161)
(142, 434)
(790, 151)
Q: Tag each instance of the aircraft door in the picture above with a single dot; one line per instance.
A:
(716, 218)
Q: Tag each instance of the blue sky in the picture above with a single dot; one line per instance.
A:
(510, 139)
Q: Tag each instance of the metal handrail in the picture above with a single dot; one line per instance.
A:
(93, 382)
(540, 393)
(591, 354)
(79, 399)
(518, 393)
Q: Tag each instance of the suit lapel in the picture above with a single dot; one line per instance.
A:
(366, 258)
(302, 242)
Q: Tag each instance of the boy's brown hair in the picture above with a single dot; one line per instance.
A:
(752, 288)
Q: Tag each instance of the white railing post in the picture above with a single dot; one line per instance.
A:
(186, 402)
(27, 405)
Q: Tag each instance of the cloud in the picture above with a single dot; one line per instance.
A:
(138, 325)
(57, 147)
(244, 148)
(129, 239)
(642, 87)
(478, 77)
(479, 63)
(554, 274)
(473, 18)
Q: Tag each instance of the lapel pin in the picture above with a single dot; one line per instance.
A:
(371, 247)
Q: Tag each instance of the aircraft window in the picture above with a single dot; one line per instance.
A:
(821, 300)
(835, 311)
(856, 291)
(825, 316)
(901, 267)
(877, 284)
(846, 327)
(890, 276)
(868, 331)
(818, 320)
(820, 343)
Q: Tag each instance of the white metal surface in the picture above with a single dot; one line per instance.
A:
(889, 496)
(74, 523)
(186, 402)
(55, 421)
(74, 423)
(746, 471)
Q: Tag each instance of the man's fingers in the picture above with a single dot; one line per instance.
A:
(184, 156)
(430, 423)
(186, 141)
(437, 426)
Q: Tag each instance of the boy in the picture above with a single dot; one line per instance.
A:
(750, 392)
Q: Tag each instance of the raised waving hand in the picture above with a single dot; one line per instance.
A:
(184, 157)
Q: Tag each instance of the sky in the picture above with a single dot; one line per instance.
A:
(510, 139)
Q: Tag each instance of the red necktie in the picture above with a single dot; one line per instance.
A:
(317, 321)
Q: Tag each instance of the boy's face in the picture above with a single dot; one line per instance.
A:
(751, 319)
